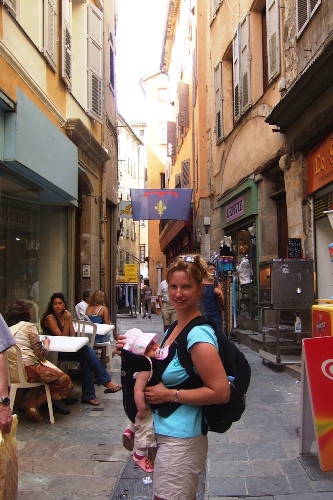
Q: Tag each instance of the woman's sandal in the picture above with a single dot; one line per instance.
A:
(112, 390)
(32, 413)
(92, 401)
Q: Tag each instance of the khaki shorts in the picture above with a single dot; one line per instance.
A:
(169, 314)
(177, 466)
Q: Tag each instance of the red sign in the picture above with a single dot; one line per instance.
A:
(320, 164)
(318, 359)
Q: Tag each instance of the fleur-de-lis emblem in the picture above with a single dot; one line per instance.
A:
(160, 207)
(127, 210)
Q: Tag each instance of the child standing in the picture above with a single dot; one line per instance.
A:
(139, 434)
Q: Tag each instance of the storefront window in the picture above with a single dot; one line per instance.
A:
(33, 245)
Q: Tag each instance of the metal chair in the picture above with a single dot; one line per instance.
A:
(17, 378)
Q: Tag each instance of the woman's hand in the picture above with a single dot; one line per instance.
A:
(46, 343)
(121, 341)
(157, 394)
(67, 315)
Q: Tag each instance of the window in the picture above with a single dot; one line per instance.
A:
(215, 7)
(142, 253)
(183, 93)
(142, 132)
(273, 39)
(185, 174)
(218, 102)
(95, 62)
(171, 140)
(111, 53)
(304, 12)
(162, 181)
(241, 67)
(66, 42)
(50, 32)
(12, 5)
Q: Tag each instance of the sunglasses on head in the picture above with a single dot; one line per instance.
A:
(189, 258)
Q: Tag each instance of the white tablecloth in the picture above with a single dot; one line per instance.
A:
(64, 344)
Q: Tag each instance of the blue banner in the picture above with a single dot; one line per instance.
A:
(157, 204)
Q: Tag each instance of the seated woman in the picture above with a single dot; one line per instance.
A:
(58, 321)
(97, 312)
(34, 355)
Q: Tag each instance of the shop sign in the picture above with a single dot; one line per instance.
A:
(131, 273)
(13, 218)
(234, 210)
(320, 164)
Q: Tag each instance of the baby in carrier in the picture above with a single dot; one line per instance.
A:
(137, 372)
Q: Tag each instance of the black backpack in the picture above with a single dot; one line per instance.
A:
(217, 417)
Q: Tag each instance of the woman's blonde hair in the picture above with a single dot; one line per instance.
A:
(97, 298)
(193, 264)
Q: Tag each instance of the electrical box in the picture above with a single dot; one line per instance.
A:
(287, 284)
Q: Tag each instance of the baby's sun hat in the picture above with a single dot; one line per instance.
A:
(137, 341)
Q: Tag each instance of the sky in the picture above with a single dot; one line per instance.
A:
(139, 38)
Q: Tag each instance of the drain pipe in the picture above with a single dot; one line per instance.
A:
(103, 228)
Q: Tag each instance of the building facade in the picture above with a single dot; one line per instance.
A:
(58, 149)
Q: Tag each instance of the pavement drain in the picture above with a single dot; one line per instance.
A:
(135, 484)
(313, 470)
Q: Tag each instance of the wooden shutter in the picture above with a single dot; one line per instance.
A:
(245, 64)
(273, 39)
(218, 102)
(185, 181)
(236, 73)
(171, 139)
(12, 5)
(304, 11)
(183, 91)
(50, 32)
(95, 62)
(66, 42)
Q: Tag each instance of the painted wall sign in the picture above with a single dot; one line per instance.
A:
(234, 209)
(317, 397)
(320, 164)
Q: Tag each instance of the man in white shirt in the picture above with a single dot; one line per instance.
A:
(169, 313)
(81, 307)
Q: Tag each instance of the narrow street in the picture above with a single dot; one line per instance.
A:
(81, 455)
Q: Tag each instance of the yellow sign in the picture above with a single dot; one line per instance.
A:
(131, 273)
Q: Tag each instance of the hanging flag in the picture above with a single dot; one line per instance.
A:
(125, 210)
(156, 204)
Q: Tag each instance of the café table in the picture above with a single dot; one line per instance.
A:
(61, 343)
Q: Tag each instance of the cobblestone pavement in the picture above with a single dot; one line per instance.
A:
(81, 455)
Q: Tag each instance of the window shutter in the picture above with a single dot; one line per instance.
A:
(185, 174)
(95, 62)
(112, 61)
(218, 102)
(235, 73)
(304, 12)
(12, 5)
(66, 42)
(50, 33)
(273, 39)
(183, 91)
(171, 139)
(245, 64)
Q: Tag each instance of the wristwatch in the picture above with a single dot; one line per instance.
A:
(5, 401)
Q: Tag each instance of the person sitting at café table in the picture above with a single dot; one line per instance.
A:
(34, 356)
(98, 312)
(57, 320)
